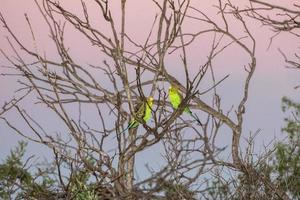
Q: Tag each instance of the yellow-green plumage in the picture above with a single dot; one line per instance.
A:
(142, 113)
(176, 98)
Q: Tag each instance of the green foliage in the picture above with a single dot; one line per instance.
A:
(20, 182)
(173, 190)
(217, 189)
(12, 172)
(80, 188)
(287, 162)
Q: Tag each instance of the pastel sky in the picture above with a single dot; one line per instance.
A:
(270, 83)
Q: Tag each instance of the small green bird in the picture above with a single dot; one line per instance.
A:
(142, 113)
(176, 98)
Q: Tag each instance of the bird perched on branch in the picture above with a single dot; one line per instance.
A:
(142, 113)
(176, 99)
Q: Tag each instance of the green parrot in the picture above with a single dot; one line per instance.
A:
(176, 98)
(142, 112)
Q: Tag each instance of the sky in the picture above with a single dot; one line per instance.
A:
(271, 81)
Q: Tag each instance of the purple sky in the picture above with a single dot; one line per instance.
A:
(270, 83)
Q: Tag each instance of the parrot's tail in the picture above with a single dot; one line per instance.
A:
(125, 129)
(196, 118)
(133, 124)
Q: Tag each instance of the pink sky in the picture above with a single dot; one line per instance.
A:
(271, 80)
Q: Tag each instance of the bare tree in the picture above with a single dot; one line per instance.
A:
(281, 19)
(135, 71)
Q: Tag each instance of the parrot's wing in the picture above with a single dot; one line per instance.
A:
(175, 98)
(148, 111)
(139, 111)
